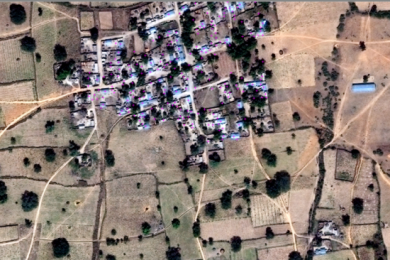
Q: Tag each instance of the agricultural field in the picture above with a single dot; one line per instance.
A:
(276, 253)
(23, 91)
(265, 211)
(225, 214)
(147, 152)
(7, 27)
(8, 233)
(10, 252)
(207, 97)
(105, 20)
(362, 233)
(300, 211)
(345, 166)
(78, 251)
(224, 66)
(47, 14)
(87, 20)
(283, 112)
(17, 65)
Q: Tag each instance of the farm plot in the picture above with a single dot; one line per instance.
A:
(176, 195)
(380, 29)
(283, 112)
(365, 253)
(11, 112)
(16, 65)
(47, 14)
(345, 166)
(10, 252)
(292, 68)
(366, 188)
(8, 233)
(78, 251)
(277, 253)
(225, 65)
(337, 255)
(121, 17)
(23, 91)
(87, 20)
(217, 251)
(32, 132)
(68, 212)
(362, 233)
(106, 20)
(226, 214)
(300, 202)
(207, 97)
(265, 212)
(2, 119)
(6, 26)
(245, 254)
(12, 212)
(129, 205)
(279, 240)
(152, 248)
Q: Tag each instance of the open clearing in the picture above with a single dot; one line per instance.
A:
(87, 20)
(6, 26)
(8, 233)
(128, 206)
(207, 97)
(105, 20)
(362, 233)
(16, 65)
(283, 112)
(287, 71)
(17, 92)
(143, 151)
(225, 214)
(47, 14)
(224, 66)
(10, 252)
(277, 253)
(300, 202)
(13, 111)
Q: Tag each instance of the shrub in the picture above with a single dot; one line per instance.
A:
(60, 53)
(50, 155)
(146, 228)
(38, 57)
(210, 210)
(173, 253)
(357, 205)
(289, 150)
(278, 185)
(226, 199)
(238, 209)
(110, 257)
(29, 201)
(109, 158)
(28, 44)
(271, 160)
(17, 14)
(203, 168)
(236, 243)
(175, 223)
(346, 219)
(175, 209)
(196, 229)
(26, 162)
(37, 168)
(3, 192)
(94, 34)
(296, 116)
(61, 247)
(113, 231)
(355, 153)
(269, 233)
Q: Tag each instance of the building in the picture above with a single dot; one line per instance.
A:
(363, 88)
(169, 13)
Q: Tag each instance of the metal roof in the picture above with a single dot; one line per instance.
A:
(364, 88)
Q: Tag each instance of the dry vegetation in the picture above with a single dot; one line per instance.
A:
(87, 20)
(345, 166)
(276, 253)
(105, 20)
(283, 112)
(265, 212)
(6, 26)
(362, 233)
(23, 91)
(8, 233)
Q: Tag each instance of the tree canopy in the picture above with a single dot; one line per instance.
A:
(60, 53)
(94, 33)
(173, 253)
(295, 255)
(196, 229)
(226, 199)
(50, 155)
(269, 233)
(61, 247)
(175, 223)
(17, 14)
(210, 210)
(236, 243)
(146, 228)
(279, 184)
(109, 158)
(3, 192)
(357, 205)
(29, 201)
(28, 44)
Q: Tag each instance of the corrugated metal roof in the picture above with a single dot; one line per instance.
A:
(364, 88)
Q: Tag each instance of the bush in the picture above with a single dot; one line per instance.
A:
(346, 219)
(269, 233)
(226, 199)
(355, 153)
(109, 158)
(37, 168)
(29, 201)
(17, 14)
(3, 192)
(238, 209)
(110, 257)
(196, 229)
(38, 57)
(203, 168)
(50, 155)
(13, 141)
(357, 205)
(175, 223)
(113, 231)
(210, 210)
(146, 228)
(60, 53)
(28, 44)
(271, 160)
(295, 255)
(289, 150)
(173, 253)
(26, 162)
(296, 116)
(61, 247)
(236, 243)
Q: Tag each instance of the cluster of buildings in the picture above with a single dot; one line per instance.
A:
(90, 74)
(82, 115)
(111, 58)
(153, 12)
(326, 229)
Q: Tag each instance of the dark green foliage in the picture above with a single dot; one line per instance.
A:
(269, 233)
(17, 14)
(146, 228)
(316, 99)
(184, 165)
(29, 201)
(113, 231)
(341, 27)
(40, 11)
(94, 34)
(49, 126)
(346, 219)
(37, 168)
(357, 205)
(38, 57)
(210, 210)
(296, 116)
(212, 58)
(203, 168)
(242, 50)
(173, 253)
(110, 257)
(247, 180)
(238, 209)
(175, 223)
(61, 247)
(271, 161)
(3, 192)
(73, 148)
(370, 187)
(295, 255)
(378, 152)
(289, 150)
(233, 78)
(28, 222)
(196, 229)
(268, 74)
(245, 194)
(215, 157)
(211, 241)
(266, 153)
(236, 244)
(211, 6)
(280, 184)
(60, 53)
(28, 44)
(26, 162)
(362, 45)
(66, 69)
(50, 155)
(157, 194)
(185, 67)
(379, 14)
(355, 154)
(13, 141)
(353, 7)
(226, 199)
(109, 158)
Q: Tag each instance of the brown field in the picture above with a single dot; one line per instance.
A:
(370, 211)
(176, 195)
(152, 248)
(277, 253)
(10, 252)
(207, 97)
(225, 214)
(195, 179)
(105, 20)
(287, 71)
(362, 233)
(12, 111)
(386, 240)
(23, 91)
(2, 119)
(225, 65)
(128, 207)
(300, 202)
(337, 255)
(265, 212)
(147, 146)
(87, 20)
(78, 251)
(121, 17)
(345, 166)
(138, 44)
(32, 133)
(9, 233)
(6, 26)
(354, 29)
(48, 14)
(283, 111)
(380, 29)
(16, 65)
(365, 253)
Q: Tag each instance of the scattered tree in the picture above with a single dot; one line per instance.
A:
(37, 168)
(29, 201)
(26, 162)
(38, 57)
(203, 168)
(238, 209)
(109, 158)
(346, 219)
(50, 155)
(60, 53)
(3, 192)
(295, 255)
(362, 46)
(61, 247)
(357, 205)
(289, 150)
(233, 78)
(196, 229)
(278, 185)
(28, 44)
(355, 154)
(269, 233)
(226, 199)
(175, 223)
(110, 257)
(28, 223)
(236, 243)
(210, 210)
(94, 34)
(113, 231)
(173, 253)
(296, 116)
(175, 209)
(17, 14)
(146, 228)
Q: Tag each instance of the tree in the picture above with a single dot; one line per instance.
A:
(28, 222)
(271, 161)
(269, 233)
(268, 74)
(295, 255)
(109, 158)
(273, 56)
(215, 157)
(245, 194)
(357, 205)
(17, 14)
(61, 247)
(296, 116)
(29, 201)
(278, 185)
(94, 34)
(236, 243)
(13, 140)
(37, 168)
(28, 44)
(265, 5)
(355, 154)
(203, 168)
(196, 229)
(50, 155)
(26, 162)
(38, 57)
(113, 231)
(173, 253)
(175, 209)
(3, 192)
(289, 150)
(362, 46)
(266, 153)
(110, 257)
(226, 199)
(185, 67)
(60, 53)
(238, 209)
(146, 228)
(210, 210)
(346, 219)
(233, 78)
(175, 223)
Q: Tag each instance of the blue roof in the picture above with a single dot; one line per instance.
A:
(321, 251)
(364, 88)
(240, 5)
(235, 136)
(227, 39)
(239, 104)
(170, 13)
(183, 8)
